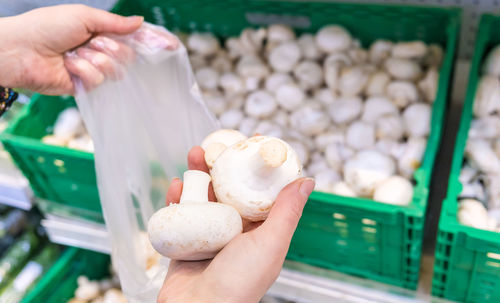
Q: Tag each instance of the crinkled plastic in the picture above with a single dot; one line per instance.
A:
(143, 125)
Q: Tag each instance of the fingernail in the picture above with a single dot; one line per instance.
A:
(306, 187)
(135, 18)
(175, 179)
(103, 43)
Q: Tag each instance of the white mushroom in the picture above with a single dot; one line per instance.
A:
(215, 101)
(429, 85)
(69, 124)
(285, 56)
(332, 76)
(218, 141)
(395, 190)
(231, 84)
(309, 119)
(409, 50)
(234, 48)
(366, 170)
(352, 80)
(492, 183)
(345, 109)
(417, 119)
(333, 157)
(247, 126)
(194, 229)
(295, 134)
(346, 152)
(222, 63)
(114, 296)
(251, 83)
(496, 147)
(250, 66)
(434, 56)
(207, 78)
(268, 128)
(487, 99)
(376, 107)
(411, 156)
(317, 166)
(308, 47)
(472, 213)
(54, 140)
(380, 50)
(278, 33)
(86, 290)
(301, 150)
(402, 93)
(339, 59)
(485, 128)
(335, 135)
(467, 174)
(324, 95)
(198, 61)
(342, 189)
(360, 135)
(83, 142)
(289, 96)
(474, 190)
(309, 74)
(333, 38)
(205, 44)
(260, 104)
(231, 118)
(377, 83)
(403, 69)
(325, 180)
(249, 175)
(280, 117)
(492, 64)
(358, 55)
(390, 147)
(251, 40)
(275, 80)
(481, 155)
(390, 126)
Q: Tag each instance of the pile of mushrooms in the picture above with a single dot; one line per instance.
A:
(480, 176)
(98, 291)
(358, 118)
(69, 130)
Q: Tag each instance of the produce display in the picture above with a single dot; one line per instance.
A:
(99, 291)
(480, 197)
(357, 118)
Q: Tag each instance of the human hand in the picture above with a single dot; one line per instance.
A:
(248, 265)
(34, 44)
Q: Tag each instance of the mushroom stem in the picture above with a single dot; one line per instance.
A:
(195, 188)
(270, 156)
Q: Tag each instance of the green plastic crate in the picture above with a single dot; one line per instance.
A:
(63, 179)
(358, 236)
(59, 283)
(467, 260)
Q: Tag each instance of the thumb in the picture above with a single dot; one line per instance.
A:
(100, 21)
(286, 212)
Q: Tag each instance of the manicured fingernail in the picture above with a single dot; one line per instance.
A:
(135, 18)
(306, 187)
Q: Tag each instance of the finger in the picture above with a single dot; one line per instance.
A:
(286, 212)
(104, 63)
(100, 21)
(249, 225)
(196, 161)
(174, 191)
(113, 48)
(90, 76)
(156, 37)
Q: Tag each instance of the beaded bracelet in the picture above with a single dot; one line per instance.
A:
(7, 97)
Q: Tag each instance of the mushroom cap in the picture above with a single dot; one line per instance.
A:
(409, 50)
(395, 190)
(194, 230)
(403, 69)
(215, 143)
(69, 124)
(249, 175)
(492, 63)
(333, 38)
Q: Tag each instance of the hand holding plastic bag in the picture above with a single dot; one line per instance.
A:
(143, 110)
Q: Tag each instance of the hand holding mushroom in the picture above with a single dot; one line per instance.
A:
(254, 256)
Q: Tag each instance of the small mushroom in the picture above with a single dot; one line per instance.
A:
(366, 170)
(309, 119)
(352, 80)
(335, 135)
(409, 50)
(250, 66)
(260, 104)
(269, 129)
(278, 33)
(345, 151)
(342, 189)
(285, 56)
(114, 296)
(496, 147)
(325, 180)
(247, 126)
(275, 80)
(333, 157)
(198, 61)
(83, 142)
(411, 156)
(309, 74)
(207, 78)
(333, 38)
(402, 93)
(376, 107)
(324, 95)
(481, 155)
(377, 84)
(417, 119)
(487, 99)
(340, 59)
(308, 47)
(235, 102)
(222, 63)
(205, 44)
(301, 150)
(474, 190)
(390, 126)
(249, 175)
(251, 84)
(390, 147)
(317, 166)
(194, 229)
(231, 118)
(289, 96)
(394, 190)
(429, 85)
(434, 56)
(54, 140)
(485, 128)
(231, 84)
(345, 109)
(295, 134)
(251, 40)
(492, 184)
(360, 135)
(218, 141)
(492, 64)
(467, 174)
(472, 213)
(379, 51)
(69, 124)
(86, 290)
(280, 117)
(403, 69)
(358, 55)
(215, 101)
(332, 76)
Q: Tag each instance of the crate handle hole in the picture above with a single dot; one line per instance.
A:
(367, 221)
(493, 256)
(40, 159)
(338, 216)
(58, 163)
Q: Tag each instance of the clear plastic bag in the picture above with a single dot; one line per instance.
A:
(142, 125)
